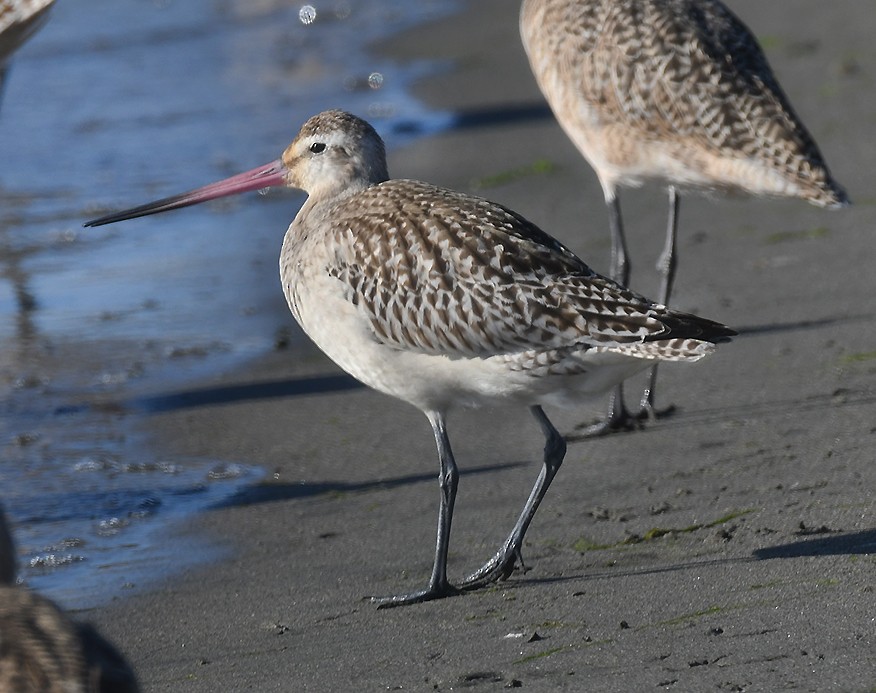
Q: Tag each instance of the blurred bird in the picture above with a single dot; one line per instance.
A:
(19, 20)
(42, 650)
(676, 92)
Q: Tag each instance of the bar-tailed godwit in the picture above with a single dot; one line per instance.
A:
(673, 91)
(444, 299)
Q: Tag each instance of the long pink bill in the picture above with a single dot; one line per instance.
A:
(267, 176)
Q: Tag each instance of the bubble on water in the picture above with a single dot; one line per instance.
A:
(226, 471)
(375, 80)
(110, 378)
(150, 467)
(169, 468)
(22, 440)
(111, 526)
(307, 14)
(68, 543)
(30, 381)
(139, 467)
(95, 464)
(69, 236)
(53, 560)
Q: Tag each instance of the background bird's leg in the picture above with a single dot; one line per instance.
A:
(3, 74)
(666, 266)
(501, 565)
(448, 480)
(617, 418)
(620, 257)
(668, 260)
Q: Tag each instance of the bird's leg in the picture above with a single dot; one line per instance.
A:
(666, 266)
(668, 260)
(448, 479)
(3, 71)
(501, 565)
(620, 256)
(618, 418)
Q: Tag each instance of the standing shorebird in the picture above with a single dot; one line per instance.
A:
(443, 299)
(19, 19)
(673, 91)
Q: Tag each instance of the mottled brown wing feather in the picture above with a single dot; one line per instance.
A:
(686, 68)
(447, 273)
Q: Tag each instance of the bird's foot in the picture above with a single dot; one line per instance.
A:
(648, 412)
(499, 567)
(425, 595)
(617, 421)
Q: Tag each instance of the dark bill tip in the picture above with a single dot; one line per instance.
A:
(268, 176)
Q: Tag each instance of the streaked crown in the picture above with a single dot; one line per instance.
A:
(335, 152)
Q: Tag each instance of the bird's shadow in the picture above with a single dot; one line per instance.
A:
(508, 114)
(228, 394)
(833, 544)
(269, 492)
(836, 544)
(222, 394)
(483, 117)
(812, 324)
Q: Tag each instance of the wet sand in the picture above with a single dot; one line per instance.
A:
(728, 547)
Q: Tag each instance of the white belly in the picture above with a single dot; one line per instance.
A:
(433, 382)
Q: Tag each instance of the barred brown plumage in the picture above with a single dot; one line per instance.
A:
(444, 299)
(42, 649)
(677, 92)
(489, 281)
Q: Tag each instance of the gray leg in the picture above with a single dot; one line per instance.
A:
(667, 262)
(620, 257)
(666, 266)
(617, 418)
(3, 72)
(448, 480)
(501, 565)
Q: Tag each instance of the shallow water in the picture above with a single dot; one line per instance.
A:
(113, 103)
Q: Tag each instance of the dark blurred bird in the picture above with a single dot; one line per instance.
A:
(42, 650)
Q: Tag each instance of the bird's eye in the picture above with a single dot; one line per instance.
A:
(317, 147)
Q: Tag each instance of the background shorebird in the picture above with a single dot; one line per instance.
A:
(673, 91)
(41, 649)
(443, 299)
(19, 19)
